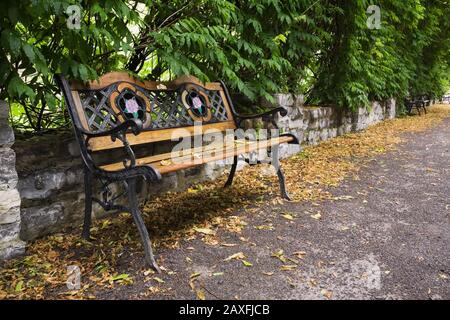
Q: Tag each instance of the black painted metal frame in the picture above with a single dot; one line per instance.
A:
(131, 172)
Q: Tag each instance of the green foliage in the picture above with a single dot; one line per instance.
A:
(409, 55)
(36, 42)
(323, 49)
(255, 46)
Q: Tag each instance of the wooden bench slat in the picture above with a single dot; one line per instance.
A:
(113, 77)
(105, 143)
(79, 110)
(190, 160)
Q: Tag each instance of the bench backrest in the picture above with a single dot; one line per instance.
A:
(163, 107)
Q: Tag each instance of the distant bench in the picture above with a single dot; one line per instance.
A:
(419, 103)
(119, 111)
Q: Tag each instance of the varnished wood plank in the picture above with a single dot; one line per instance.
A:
(118, 76)
(188, 161)
(165, 156)
(226, 104)
(175, 154)
(105, 143)
(228, 153)
(80, 111)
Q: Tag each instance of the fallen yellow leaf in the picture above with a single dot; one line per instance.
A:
(287, 216)
(247, 264)
(166, 162)
(317, 216)
(228, 244)
(279, 255)
(288, 267)
(326, 293)
(204, 231)
(236, 256)
(201, 295)
(158, 280)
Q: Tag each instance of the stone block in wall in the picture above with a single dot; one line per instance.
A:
(324, 123)
(332, 133)
(288, 150)
(366, 117)
(295, 117)
(313, 124)
(323, 135)
(376, 113)
(50, 218)
(9, 232)
(312, 137)
(42, 184)
(11, 249)
(9, 206)
(328, 112)
(282, 122)
(343, 129)
(299, 134)
(299, 100)
(6, 132)
(391, 109)
(8, 173)
(214, 169)
(295, 124)
(39, 221)
(314, 113)
(360, 122)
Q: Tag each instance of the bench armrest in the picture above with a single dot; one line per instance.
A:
(119, 132)
(270, 113)
(268, 116)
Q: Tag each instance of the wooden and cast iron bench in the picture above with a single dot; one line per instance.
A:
(411, 104)
(420, 102)
(121, 112)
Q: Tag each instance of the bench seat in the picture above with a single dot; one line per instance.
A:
(174, 161)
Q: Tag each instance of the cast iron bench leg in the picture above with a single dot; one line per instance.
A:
(280, 174)
(282, 181)
(88, 205)
(409, 109)
(132, 198)
(232, 172)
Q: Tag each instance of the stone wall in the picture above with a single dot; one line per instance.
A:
(50, 171)
(10, 244)
(314, 124)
